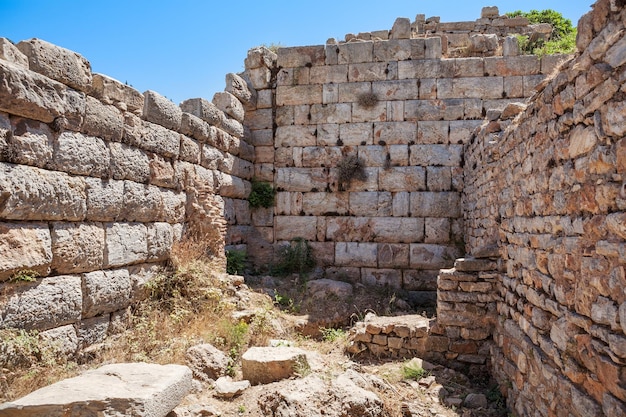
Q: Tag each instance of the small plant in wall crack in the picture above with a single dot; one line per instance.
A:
(367, 100)
(350, 168)
(261, 195)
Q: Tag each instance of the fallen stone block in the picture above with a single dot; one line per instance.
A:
(129, 389)
(225, 387)
(263, 365)
(206, 361)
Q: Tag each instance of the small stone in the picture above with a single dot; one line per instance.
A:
(225, 387)
(475, 401)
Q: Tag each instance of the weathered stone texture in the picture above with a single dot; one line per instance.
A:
(24, 246)
(105, 292)
(77, 247)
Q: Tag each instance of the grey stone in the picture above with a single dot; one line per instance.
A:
(77, 247)
(151, 137)
(230, 105)
(10, 53)
(105, 292)
(32, 143)
(207, 362)
(324, 288)
(262, 365)
(34, 194)
(475, 401)
(47, 303)
(104, 199)
(160, 239)
(35, 96)
(401, 29)
(126, 243)
(103, 120)
(131, 389)
(93, 330)
(158, 109)
(82, 155)
(205, 110)
(238, 87)
(129, 163)
(24, 246)
(122, 96)
(225, 387)
(63, 340)
(58, 63)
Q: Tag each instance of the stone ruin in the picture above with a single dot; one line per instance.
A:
(494, 185)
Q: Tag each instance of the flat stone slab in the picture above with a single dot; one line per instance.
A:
(263, 365)
(129, 389)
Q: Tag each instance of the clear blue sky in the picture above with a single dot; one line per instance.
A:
(184, 48)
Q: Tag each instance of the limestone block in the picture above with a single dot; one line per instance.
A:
(431, 110)
(329, 74)
(395, 179)
(34, 96)
(324, 288)
(232, 127)
(395, 111)
(189, 150)
(510, 47)
(10, 53)
(437, 230)
(325, 204)
(431, 256)
(290, 227)
(24, 246)
(259, 78)
(397, 229)
(122, 96)
(394, 133)
(531, 82)
(151, 137)
(419, 280)
(331, 113)
(430, 132)
(161, 111)
(616, 56)
(103, 121)
(393, 255)
(288, 203)
(418, 48)
(400, 204)
(323, 253)
(32, 143)
(288, 136)
(356, 254)
(238, 87)
(472, 87)
(582, 140)
(205, 110)
(82, 155)
(260, 57)
(105, 292)
(261, 216)
(234, 187)
(298, 94)
(370, 183)
(461, 130)
(373, 155)
(372, 203)
(47, 303)
(356, 52)
(35, 194)
(330, 93)
(433, 48)
(104, 199)
(58, 63)
(264, 172)
(77, 247)
(126, 243)
(314, 157)
(398, 155)
(375, 113)
(160, 237)
(138, 389)
(263, 365)
(370, 71)
(300, 56)
(350, 92)
(391, 278)
(93, 330)
(393, 50)
(512, 65)
(443, 155)
(129, 163)
(64, 338)
(438, 178)
(162, 172)
(230, 105)
(140, 275)
(489, 12)
(301, 179)
(328, 134)
(395, 90)
(196, 128)
(211, 157)
(401, 29)
(436, 204)
(428, 89)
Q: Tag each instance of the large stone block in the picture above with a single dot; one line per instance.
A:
(318, 157)
(47, 303)
(431, 132)
(392, 50)
(288, 136)
(10, 53)
(132, 389)
(129, 163)
(233, 187)
(105, 292)
(58, 63)
(263, 365)
(126, 243)
(391, 278)
(151, 137)
(353, 53)
(104, 199)
(397, 229)
(103, 121)
(142, 202)
(158, 109)
(122, 96)
(352, 134)
(34, 96)
(325, 204)
(426, 68)
(77, 247)
(290, 227)
(24, 246)
(34, 194)
(429, 256)
(93, 330)
(288, 203)
(331, 113)
(436, 204)
(329, 74)
(371, 203)
(298, 94)
(393, 255)
(196, 128)
(396, 90)
(32, 143)
(260, 57)
(369, 71)
(300, 56)
(356, 254)
(230, 105)
(301, 179)
(82, 155)
(443, 155)
(512, 65)
(189, 150)
(238, 87)
(398, 179)
(395, 133)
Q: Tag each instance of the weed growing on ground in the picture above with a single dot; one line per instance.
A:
(236, 261)
(296, 257)
(412, 370)
(332, 335)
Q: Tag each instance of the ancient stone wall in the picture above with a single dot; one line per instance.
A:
(405, 112)
(550, 191)
(97, 182)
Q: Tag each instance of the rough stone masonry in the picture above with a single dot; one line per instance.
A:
(97, 182)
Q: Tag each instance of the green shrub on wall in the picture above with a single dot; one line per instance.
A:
(562, 41)
(262, 195)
